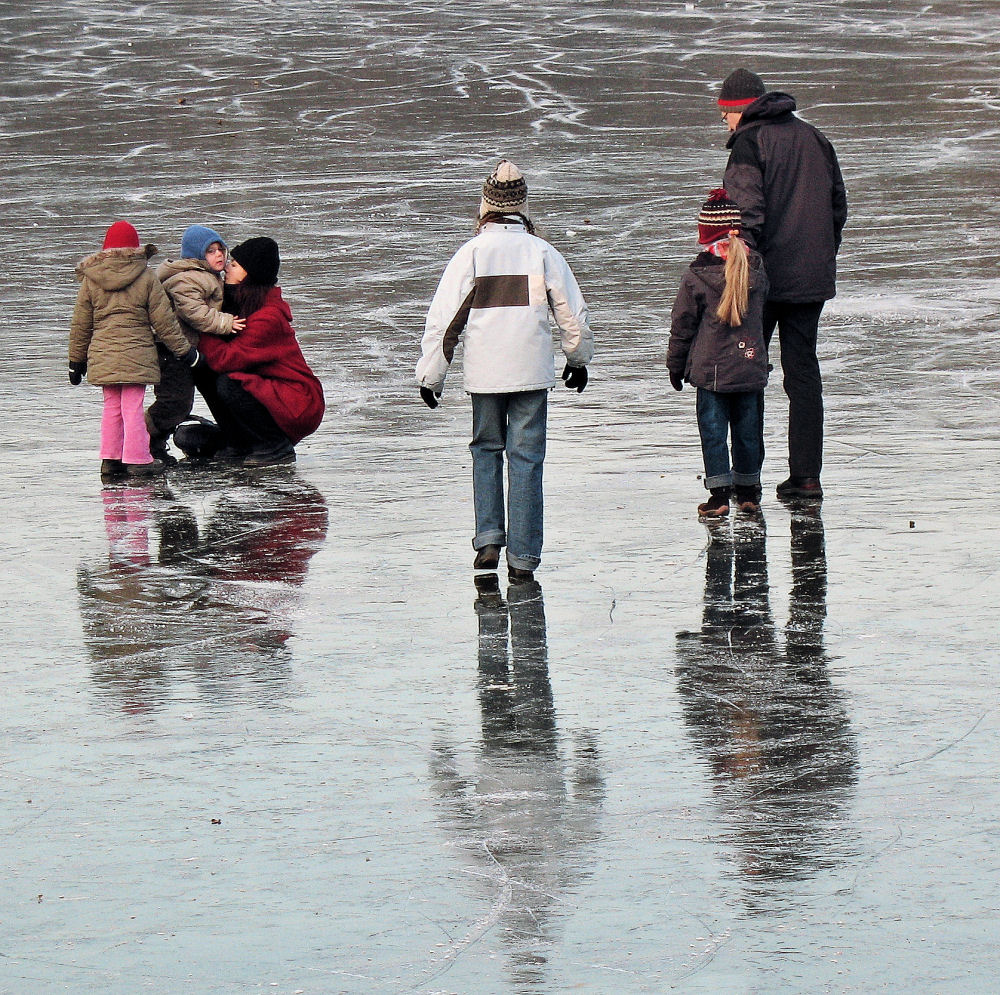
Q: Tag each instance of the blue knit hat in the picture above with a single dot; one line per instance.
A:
(196, 240)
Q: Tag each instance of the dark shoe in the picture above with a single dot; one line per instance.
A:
(800, 487)
(717, 506)
(112, 469)
(487, 558)
(518, 576)
(153, 469)
(270, 457)
(748, 499)
(165, 457)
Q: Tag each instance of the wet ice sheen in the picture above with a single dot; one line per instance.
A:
(263, 733)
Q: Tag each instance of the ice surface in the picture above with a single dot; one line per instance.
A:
(262, 732)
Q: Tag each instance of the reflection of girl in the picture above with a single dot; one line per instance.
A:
(717, 344)
(259, 387)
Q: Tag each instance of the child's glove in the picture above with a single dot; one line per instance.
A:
(676, 381)
(192, 357)
(430, 397)
(76, 372)
(575, 376)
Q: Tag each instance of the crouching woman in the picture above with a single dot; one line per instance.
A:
(258, 385)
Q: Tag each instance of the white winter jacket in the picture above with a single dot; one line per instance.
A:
(498, 290)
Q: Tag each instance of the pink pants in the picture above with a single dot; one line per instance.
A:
(124, 435)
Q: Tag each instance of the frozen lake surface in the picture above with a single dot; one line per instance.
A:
(263, 733)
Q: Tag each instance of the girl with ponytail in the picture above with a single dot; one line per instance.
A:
(717, 345)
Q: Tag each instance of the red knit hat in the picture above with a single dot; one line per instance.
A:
(719, 216)
(121, 235)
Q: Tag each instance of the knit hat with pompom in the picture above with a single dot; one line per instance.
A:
(718, 217)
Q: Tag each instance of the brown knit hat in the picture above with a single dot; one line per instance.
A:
(739, 90)
(719, 216)
(504, 191)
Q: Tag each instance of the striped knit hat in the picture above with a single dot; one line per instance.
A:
(739, 90)
(719, 216)
(505, 191)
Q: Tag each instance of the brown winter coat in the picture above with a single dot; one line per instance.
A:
(196, 294)
(120, 310)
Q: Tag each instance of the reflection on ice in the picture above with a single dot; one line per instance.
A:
(521, 812)
(763, 712)
(201, 582)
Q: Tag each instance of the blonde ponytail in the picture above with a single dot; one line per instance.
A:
(733, 305)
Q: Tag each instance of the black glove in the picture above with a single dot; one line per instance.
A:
(192, 357)
(430, 397)
(676, 381)
(575, 376)
(76, 372)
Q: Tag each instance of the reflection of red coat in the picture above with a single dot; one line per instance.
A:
(266, 359)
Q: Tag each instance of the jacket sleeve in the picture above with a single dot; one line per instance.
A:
(685, 317)
(189, 301)
(744, 182)
(81, 329)
(446, 319)
(839, 200)
(163, 319)
(569, 309)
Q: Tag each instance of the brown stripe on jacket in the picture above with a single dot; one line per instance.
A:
(501, 291)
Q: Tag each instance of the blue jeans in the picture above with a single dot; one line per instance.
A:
(513, 424)
(740, 414)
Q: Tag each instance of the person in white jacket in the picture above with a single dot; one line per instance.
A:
(496, 295)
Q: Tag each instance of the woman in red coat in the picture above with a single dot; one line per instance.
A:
(258, 385)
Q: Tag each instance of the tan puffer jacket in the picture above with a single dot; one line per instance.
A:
(121, 306)
(196, 294)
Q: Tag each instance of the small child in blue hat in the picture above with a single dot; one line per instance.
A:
(194, 285)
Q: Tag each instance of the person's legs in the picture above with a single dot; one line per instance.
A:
(489, 439)
(174, 399)
(744, 422)
(798, 326)
(253, 421)
(713, 427)
(112, 429)
(135, 448)
(527, 413)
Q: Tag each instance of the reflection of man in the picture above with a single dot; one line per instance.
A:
(524, 812)
(785, 176)
(766, 716)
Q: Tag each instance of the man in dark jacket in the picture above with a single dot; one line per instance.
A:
(784, 175)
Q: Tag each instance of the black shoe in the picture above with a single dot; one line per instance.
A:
(112, 469)
(717, 506)
(165, 457)
(800, 487)
(153, 469)
(270, 457)
(518, 576)
(748, 499)
(487, 558)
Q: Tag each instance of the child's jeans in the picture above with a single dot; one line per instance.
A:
(124, 435)
(739, 414)
(512, 425)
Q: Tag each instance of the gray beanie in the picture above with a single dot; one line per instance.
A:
(739, 90)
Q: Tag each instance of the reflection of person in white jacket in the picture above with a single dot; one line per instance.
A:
(496, 295)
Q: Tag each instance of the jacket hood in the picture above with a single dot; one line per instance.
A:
(115, 269)
(771, 107)
(711, 270)
(171, 267)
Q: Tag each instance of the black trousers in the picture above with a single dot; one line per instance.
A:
(174, 398)
(245, 423)
(798, 329)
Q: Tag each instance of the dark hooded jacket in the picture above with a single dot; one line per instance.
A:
(785, 176)
(703, 349)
